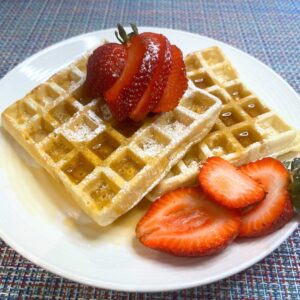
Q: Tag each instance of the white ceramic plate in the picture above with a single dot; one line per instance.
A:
(39, 221)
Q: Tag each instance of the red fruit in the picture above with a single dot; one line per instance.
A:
(176, 85)
(276, 209)
(185, 222)
(104, 67)
(228, 186)
(142, 59)
(158, 82)
(269, 172)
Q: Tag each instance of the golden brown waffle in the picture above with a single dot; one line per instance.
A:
(246, 129)
(108, 167)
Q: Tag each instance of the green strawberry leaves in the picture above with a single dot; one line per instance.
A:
(294, 187)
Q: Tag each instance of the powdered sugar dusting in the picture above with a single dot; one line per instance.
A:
(82, 130)
(151, 54)
(80, 133)
(151, 147)
(175, 129)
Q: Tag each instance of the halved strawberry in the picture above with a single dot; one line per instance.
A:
(228, 186)
(142, 60)
(176, 85)
(185, 222)
(276, 209)
(104, 67)
(269, 172)
(158, 82)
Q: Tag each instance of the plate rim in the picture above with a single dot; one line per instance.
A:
(49, 267)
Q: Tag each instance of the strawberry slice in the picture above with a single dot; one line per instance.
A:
(185, 222)
(158, 82)
(142, 59)
(276, 209)
(176, 85)
(104, 67)
(228, 186)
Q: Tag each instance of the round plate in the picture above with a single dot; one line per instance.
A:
(40, 222)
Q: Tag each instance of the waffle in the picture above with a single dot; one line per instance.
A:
(246, 129)
(107, 167)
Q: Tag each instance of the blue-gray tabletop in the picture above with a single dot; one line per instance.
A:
(268, 30)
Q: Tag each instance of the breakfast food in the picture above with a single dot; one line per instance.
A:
(143, 74)
(276, 208)
(197, 221)
(106, 165)
(245, 131)
(185, 222)
(227, 185)
(113, 124)
(176, 83)
(105, 65)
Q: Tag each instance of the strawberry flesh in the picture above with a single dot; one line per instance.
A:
(144, 74)
(105, 65)
(185, 222)
(276, 209)
(158, 82)
(176, 84)
(142, 59)
(228, 186)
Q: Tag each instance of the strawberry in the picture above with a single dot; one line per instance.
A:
(228, 186)
(185, 222)
(143, 74)
(104, 67)
(142, 60)
(269, 172)
(176, 85)
(276, 209)
(158, 82)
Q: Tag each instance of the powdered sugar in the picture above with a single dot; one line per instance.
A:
(151, 147)
(174, 129)
(82, 130)
(150, 55)
(79, 133)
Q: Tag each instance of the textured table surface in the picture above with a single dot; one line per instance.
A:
(268, 30)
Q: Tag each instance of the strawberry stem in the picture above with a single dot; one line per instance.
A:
(122, 35)
(117, 36)
(134, 28)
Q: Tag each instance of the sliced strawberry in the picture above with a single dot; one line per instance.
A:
(276, 209)
(228, 186)
(142, 59)
(285, 216)
(185, 222)
(104, 67)
(269, 172)
(176, 85)
(158, 82)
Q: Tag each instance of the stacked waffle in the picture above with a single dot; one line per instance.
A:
(245, 131)
(109, 166)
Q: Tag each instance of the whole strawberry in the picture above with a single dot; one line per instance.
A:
(143, 74)
(106, 64)
(144, 77)
(104, 67)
